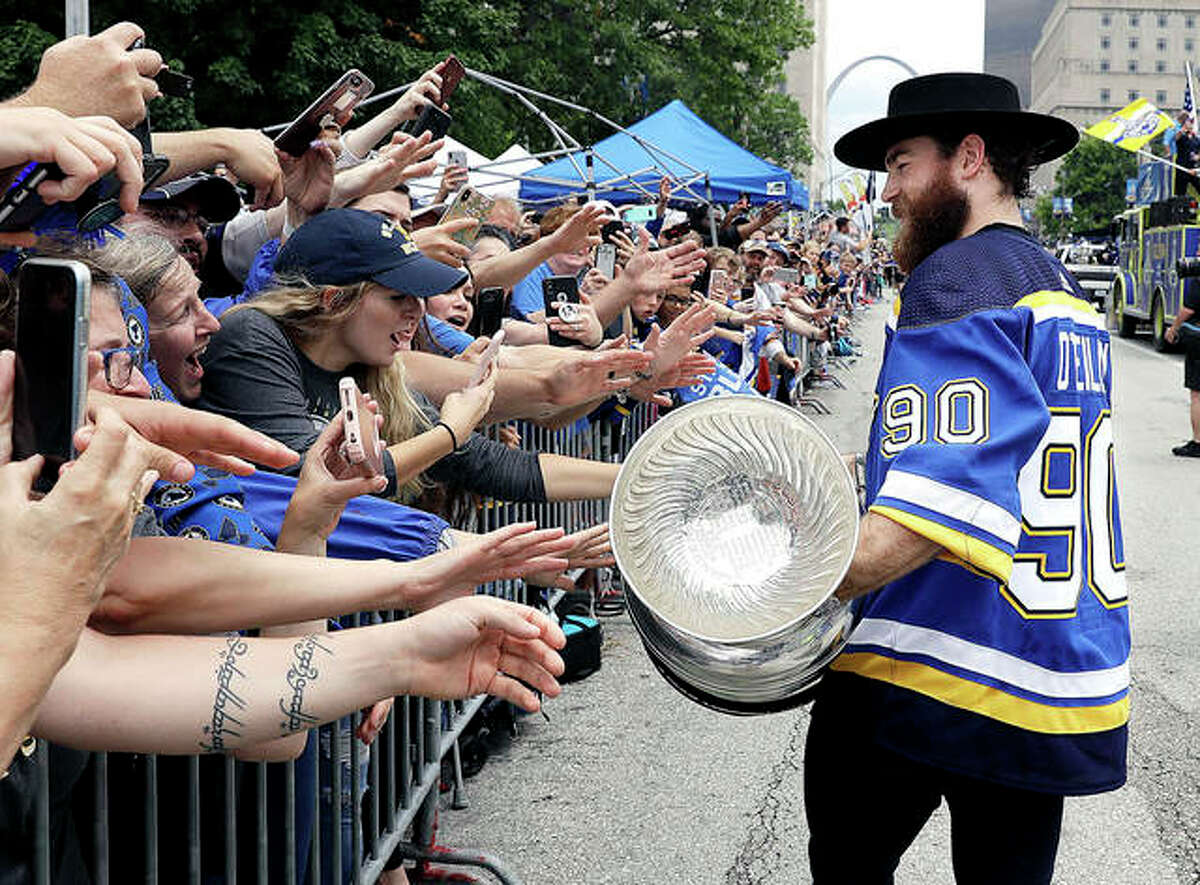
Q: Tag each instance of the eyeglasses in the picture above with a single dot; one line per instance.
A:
(177, 216)
(119, 363)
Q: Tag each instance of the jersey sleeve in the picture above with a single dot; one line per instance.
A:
(959, 413)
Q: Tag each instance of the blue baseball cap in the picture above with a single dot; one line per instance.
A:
(340, 247)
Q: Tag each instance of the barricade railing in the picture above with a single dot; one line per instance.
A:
(342, 811)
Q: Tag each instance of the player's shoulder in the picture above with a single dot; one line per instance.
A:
(989, 270)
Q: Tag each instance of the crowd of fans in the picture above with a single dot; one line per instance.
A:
(228, 304)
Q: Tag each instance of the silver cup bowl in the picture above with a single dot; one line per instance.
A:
(733, 520)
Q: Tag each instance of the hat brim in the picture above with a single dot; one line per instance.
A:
(422, 277)
(216, 199)
(866, 147)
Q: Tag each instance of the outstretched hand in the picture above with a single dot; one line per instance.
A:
(665, 268)
(510, 552)
(482, 644)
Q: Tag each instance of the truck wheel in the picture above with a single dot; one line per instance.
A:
(1158, 323)
(1126, 326)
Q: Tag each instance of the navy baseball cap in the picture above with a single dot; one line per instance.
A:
(216, 199)
(341, 247)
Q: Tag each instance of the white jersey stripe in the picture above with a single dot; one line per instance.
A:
(910, 639)
(950, 501)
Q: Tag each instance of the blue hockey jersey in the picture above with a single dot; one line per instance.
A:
(1006, 658)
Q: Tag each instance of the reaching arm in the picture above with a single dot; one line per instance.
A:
(248, 153)
(510, 268)
(574, 479)
(178, 585)
(171, 694)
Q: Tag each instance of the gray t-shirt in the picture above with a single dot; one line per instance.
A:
(254, 374)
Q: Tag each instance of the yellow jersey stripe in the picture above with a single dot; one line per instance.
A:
(991, 560)
(984, 699)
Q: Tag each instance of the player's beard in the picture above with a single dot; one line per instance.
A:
(929, 222)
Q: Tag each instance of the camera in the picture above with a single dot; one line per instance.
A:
(1187, 267)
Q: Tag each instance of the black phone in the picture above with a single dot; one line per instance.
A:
(433, 120)
(338, 101)
(491, 306)
(50, 393)
(452, 74)
(610, 228)
(560, 295)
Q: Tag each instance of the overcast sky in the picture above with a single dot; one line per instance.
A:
(930, 35)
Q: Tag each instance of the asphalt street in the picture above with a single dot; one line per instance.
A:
(628, 782)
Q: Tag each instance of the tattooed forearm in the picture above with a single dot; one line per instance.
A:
(299, 675)
(220, 727)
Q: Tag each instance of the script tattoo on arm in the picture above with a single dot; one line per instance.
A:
(226, 701)
(299, 675)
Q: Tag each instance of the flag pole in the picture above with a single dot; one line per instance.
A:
(1150, 156)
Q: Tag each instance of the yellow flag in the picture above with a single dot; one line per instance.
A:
(1132, 126)
(848, 194)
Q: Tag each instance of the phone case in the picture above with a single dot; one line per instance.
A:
(555, 289)
(469, 203)
(351, 88)
(361, 446)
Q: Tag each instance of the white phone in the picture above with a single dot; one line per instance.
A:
(485, 361)
(456, 158)
(362, 437)
(606, 259)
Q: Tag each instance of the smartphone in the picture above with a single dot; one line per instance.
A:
(491, 306)
(787, 275)
(485, 361)
(560, 295)
(610, 228)
(456, 158)
(606, 260)
(50, 393)
(716, 284)
(452, 74)
(468, 203)
(338, 100)
(362, 437)
(433, 120)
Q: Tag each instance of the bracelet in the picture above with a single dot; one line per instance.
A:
(453, 436)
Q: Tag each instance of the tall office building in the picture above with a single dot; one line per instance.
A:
(805, 80)
(1096, 56)
(1011, 30)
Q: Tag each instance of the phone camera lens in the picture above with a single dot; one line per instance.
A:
(356, 81)
(350, 414)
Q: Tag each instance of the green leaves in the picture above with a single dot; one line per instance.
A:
(257, 63)
(1093, 175)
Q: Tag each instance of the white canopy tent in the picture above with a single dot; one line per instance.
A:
(496, 178)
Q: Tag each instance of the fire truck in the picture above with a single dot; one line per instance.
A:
(1152, 236)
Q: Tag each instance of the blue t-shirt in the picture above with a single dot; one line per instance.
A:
(448, 339)
(1006, 658)
(527, 294)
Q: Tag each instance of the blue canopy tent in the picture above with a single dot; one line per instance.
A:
(627, 166)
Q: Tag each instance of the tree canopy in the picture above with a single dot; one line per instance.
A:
(257, 63)
(1093, 175)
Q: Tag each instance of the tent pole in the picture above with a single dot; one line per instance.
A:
(591, 176)
(712, 218)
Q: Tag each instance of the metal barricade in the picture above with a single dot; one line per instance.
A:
(392, 793)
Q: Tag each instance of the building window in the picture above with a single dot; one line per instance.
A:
(1134, 20)
(1133, 42)
(1105, 96)
(1103, 65)
(1162, 20)
(1105, 43)
(1160, 97)
(1161, 44)
(1132, 66)
(1133, 95)
(1160, 67)
(1189, 45)
(1105, 20)
(1189, 21)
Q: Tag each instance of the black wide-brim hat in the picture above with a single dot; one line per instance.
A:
(935, 103)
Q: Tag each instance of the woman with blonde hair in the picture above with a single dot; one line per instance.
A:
(361, 291)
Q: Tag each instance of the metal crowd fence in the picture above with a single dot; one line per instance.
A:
(342, 812)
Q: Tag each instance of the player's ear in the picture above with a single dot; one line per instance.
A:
(970, 157)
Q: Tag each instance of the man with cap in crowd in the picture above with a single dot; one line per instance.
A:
(988, 662)
(192, 212)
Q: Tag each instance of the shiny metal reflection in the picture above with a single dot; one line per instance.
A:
(733, 520)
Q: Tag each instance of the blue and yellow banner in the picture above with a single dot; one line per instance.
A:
(1132, 126)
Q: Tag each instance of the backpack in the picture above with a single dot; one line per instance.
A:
(581, 655)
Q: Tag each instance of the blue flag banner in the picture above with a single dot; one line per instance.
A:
(722, 382)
